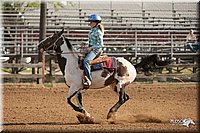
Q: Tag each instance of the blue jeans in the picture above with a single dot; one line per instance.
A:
(193, 46)
(90, 56)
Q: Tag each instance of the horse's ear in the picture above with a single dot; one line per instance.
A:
(62, 31)
(55, 32)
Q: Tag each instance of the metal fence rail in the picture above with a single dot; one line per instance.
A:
(132, 33)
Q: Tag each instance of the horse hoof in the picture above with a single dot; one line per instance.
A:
(111, 115)
(83, 119)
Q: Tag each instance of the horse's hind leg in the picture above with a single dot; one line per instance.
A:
(123, 97)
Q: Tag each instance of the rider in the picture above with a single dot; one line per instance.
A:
(95, 42)
(192, 42)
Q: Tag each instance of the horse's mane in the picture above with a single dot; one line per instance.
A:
(70, 46)
(68, 43)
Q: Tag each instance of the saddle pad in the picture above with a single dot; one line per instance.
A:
(109, 63)
(97, 66)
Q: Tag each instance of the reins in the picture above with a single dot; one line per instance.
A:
(59, 53)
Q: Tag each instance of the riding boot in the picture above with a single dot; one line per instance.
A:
(90, 56)
(87, 78)
(87, 82)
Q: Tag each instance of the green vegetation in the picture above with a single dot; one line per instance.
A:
(6, 70)
(48, 85)
(19, 6)
(9, 70)
(181, 69)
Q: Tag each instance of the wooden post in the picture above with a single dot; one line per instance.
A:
(172, 51)
(51, 71)
(41, 55)
(22, 47)
(178, 62)
(172, 46)
(195, 62)
(33, 61)
(136, 44)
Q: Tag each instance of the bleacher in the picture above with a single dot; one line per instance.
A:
(132, 29)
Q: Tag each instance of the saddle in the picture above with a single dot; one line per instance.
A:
(108, 65)
(100, 62)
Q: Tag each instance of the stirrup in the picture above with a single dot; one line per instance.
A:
(87, 82)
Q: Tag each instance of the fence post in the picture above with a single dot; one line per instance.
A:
(41, 55)
(172, 46)
(136, 45)
(171, 51)
(51, 71)
(22, 49)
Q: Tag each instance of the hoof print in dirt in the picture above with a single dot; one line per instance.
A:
(85, 119)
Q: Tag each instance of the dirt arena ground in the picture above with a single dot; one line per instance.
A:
(152, 107)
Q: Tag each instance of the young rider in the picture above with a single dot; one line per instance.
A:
(95, 42)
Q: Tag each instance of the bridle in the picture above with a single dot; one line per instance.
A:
(55, 47)
(52, 45)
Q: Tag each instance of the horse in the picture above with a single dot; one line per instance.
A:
(151, 63)
(67, 56)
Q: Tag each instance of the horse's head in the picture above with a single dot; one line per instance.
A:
(51, 42)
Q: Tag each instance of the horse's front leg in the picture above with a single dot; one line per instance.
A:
(72, 104)
(85, 117)
(79, 102)
(74, 92)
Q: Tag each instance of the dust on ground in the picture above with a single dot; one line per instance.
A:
(152, 107)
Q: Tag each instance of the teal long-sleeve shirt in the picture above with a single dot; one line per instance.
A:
(95, 38)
